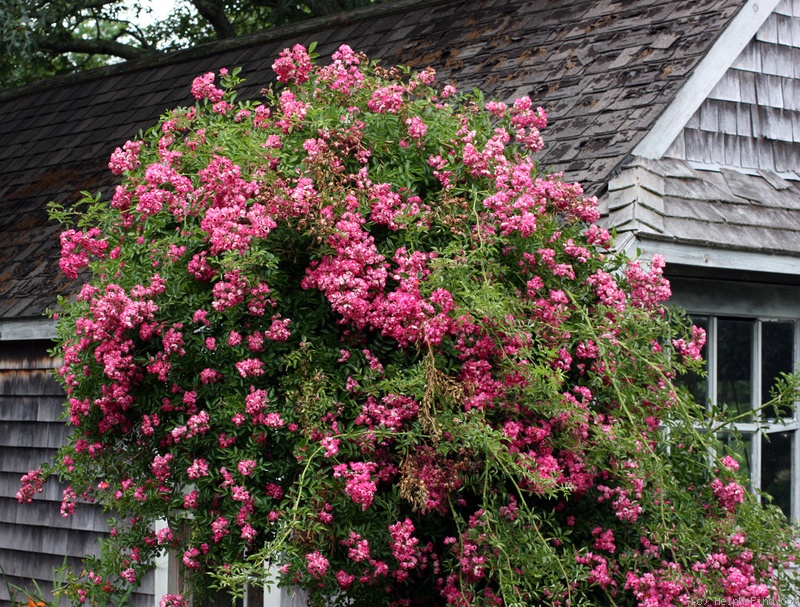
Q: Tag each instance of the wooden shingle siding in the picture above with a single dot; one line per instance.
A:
(751, 119)
(668, 200)
(34, 538)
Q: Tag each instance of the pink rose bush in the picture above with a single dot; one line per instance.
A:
(354, 332)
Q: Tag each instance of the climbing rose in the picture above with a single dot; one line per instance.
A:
(356, 331)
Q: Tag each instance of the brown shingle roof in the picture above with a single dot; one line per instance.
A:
(604, 70)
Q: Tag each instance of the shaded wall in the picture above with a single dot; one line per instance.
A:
(34, 538)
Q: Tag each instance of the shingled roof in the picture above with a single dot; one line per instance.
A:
(604, 69)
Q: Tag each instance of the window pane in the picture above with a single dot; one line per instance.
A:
(776, 468)
(734, 362)
(740, 448)
(777, 356)
(696, 384)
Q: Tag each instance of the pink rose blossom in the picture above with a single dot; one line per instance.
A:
(247, 467)
(317, 564)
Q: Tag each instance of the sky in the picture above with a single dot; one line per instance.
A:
(158, 10)
(155, 11)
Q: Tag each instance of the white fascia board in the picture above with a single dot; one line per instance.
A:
(36, 328)
(708, 72)
(708, 257)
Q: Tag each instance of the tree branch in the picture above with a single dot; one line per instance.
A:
(76, 7)
(91, 4)
(91, 47)
(213, 11)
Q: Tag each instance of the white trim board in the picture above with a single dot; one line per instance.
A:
(709, 257)
(38, 328)
(707, 74)
(160, 570)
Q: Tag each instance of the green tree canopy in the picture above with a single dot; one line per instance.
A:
(43, 38)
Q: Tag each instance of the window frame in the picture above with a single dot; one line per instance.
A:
(760, 425)
(742, 299)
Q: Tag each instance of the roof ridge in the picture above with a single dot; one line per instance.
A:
(388, 7)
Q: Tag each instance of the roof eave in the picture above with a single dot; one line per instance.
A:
(702, 255)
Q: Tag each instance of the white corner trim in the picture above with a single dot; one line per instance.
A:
(272, 594)
(705, 77)
(161, 570)
(38, 328)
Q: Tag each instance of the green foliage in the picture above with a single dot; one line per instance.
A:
(34, 596)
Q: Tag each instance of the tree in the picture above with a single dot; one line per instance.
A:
(353, 333)
(43, 38)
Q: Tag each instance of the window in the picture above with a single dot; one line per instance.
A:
(743, 356)
(753, 325)
(171, 578)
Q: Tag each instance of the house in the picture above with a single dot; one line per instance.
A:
(682, 116)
